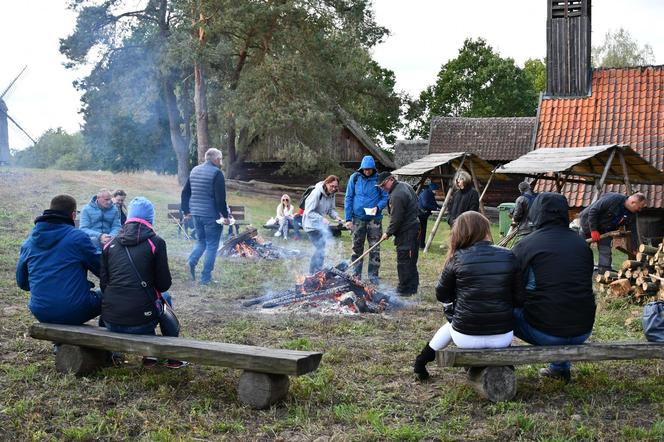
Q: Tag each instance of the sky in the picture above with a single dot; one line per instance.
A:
(424, 35)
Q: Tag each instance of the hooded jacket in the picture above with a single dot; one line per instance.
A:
(482, 281)
(125, 301)
(403, 209)
(427, 199)
(318, 205)
(557, 265)
(95, 220)
(362, 193)
(463, 200)
(53, 266)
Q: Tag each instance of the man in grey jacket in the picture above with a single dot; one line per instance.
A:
(405, 227)
(204, 197)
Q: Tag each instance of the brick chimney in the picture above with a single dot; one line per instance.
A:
(568, 48)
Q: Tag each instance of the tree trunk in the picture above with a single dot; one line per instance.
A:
(179, 144)
(200, 101)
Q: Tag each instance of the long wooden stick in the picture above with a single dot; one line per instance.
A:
(611, 234)
(365, 253)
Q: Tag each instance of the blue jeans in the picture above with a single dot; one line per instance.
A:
(168, 324)
(208, 234)
(319, 240)
(523, 330)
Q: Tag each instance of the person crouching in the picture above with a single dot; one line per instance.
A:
(478, 288)
(135, 277)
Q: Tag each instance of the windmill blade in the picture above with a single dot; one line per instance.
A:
(19, 126)
(12, 83)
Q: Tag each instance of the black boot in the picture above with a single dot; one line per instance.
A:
(427, 355)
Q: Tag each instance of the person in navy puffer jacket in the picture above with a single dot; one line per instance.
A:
(100, 219)
(363, 208)
(53, 266)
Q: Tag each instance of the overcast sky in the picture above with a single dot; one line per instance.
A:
(425, 34)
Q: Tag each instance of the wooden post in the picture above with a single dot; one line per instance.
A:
(80, 360)
(260, 390)
(628, 185)
(486, 186)
(600, 185)
(476, 183)
(418, 186)
(447, 198)
(496, 384)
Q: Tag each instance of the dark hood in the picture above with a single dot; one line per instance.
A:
(134, 233)
(50, 228)
(549, 209)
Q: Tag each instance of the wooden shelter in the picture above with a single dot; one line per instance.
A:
(439, 167)
(594, 165)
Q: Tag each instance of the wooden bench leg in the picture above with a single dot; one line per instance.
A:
(80, 360)
(260, 390)
(493, 383)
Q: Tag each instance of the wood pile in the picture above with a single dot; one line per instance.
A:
(639, 280)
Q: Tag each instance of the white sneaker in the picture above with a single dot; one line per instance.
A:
(285, 238)
(277, 233)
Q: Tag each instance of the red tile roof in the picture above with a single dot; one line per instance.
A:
(492, 139)
(626, 106)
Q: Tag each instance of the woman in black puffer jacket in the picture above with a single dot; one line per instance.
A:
(477, 287)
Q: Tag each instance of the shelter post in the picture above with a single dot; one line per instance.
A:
(476, 183)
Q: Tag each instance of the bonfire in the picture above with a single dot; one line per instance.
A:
(250, 244)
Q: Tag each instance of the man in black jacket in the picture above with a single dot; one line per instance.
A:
(520, 219)
(608, 213)
(405, 227)
(558, 305)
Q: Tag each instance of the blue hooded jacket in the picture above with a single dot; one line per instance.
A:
(427, 199)
(95, 220)
(53, 266)
(362, 193)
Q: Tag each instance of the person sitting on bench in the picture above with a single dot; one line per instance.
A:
(477, 287)
(285, 218)
(135, 278)
(54, 265)
(558, 305)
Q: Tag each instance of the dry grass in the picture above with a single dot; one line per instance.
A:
(364, 389)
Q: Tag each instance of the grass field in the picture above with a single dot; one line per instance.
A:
(364, 389)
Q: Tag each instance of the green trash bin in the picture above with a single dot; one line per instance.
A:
(504, 219)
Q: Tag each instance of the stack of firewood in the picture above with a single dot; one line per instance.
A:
(640, 279)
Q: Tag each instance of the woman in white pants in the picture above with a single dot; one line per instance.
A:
(478, 286)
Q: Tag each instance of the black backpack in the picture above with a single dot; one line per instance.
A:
(305, 195)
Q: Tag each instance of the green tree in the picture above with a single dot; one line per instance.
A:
(619, 49)
(477, 83)
(56, 149)
(535, 71)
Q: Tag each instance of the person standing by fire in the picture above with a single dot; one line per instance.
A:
(320, 203)
(204, 197)
(405, 227)
(363, 207)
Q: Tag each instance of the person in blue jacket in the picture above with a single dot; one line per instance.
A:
(100, 219)
(363, 208)
(427, 203)
(53, 266)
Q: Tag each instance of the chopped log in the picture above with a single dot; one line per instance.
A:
(642, 257)
(260, 390)
(620, 274)
(628, 274)
(621, 287)
(649, 250)
(600, 279)
(610, 276)
(630, 264)
(229, 245)
(640, 280)
(80, 361)
(496, 384)
(649, 288)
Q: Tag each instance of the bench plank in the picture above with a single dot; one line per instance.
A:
(246, 357)
(527, 354)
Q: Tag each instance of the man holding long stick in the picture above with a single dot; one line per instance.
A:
(405, 227)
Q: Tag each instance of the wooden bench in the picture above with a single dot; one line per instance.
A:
(176, 215)
(491, 371)
(264, 380)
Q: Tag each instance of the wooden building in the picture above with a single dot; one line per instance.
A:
(497, 140)
(349, 144)
(617, 106)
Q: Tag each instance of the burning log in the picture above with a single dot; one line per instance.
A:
(298, 297)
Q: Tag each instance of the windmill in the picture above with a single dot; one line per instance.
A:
(4, 125)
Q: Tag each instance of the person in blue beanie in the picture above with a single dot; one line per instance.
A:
(54, 264)
(363, 209)
(427, 203)
(135, 278)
